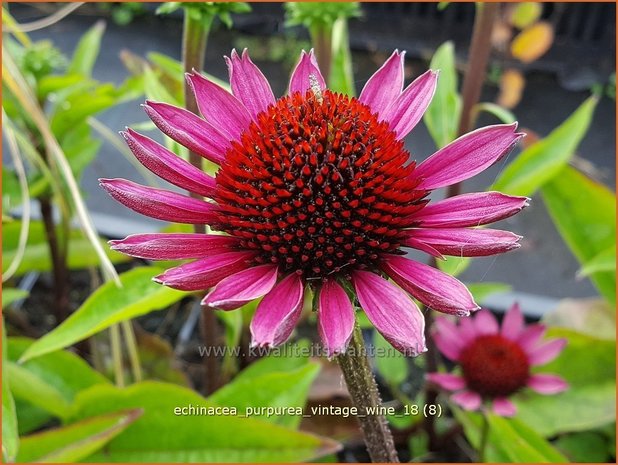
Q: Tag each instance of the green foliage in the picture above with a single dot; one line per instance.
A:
(10, 295)
(106, 306)
(603, 261)
(87, 51)
(341, 77)
(504, 115)
(10, 438)
(160, 435)
(391, 364)
(543, 160)
(480, 291)
(443, 114)
(205, 12)
(73, 443)
(454, 265)
(319, 14)
(587, 446)
(36, 257)
(584, 212)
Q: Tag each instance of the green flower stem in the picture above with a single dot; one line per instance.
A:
(364, 392)
(321, 38)
(484, 439)
(474, 77)
(195, 35)
(129, 337)
(117, 355)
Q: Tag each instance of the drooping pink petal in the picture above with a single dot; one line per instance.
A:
(465, 242)
(486, 323)
(206, 272)
(447, 381)
(473, 209)
(219, 107)
(503, 407)
(248, 83)
(468, 400)
(189, 130)
(160, 203)
(413, 242)
(177, 246)
(278, 312)
(242, 287)
(408, 108)
(448, 348)
(530, 337)
(307, 66)
(467, 156)
(431, 286)
(335, 317)
(546, 352)
(547, 384)
(385, 85)
(168, 165)
(391, 311)
(513, 323)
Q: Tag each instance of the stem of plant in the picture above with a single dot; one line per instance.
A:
(195, 35)
(129, 337)
(474, 77)
(321, 38)
(484, 438)
(364, 392)
(117, 355)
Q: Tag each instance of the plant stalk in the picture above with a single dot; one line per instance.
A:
(364, 392)
(321, 38)
(474, 77)
(117, 355)
(129, 337)
(194, 38)
(484, 439)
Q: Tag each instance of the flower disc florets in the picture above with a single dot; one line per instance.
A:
(317, 184)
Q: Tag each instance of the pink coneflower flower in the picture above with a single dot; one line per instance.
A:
(495, 362)
(316, 188)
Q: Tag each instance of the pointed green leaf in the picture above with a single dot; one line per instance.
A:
(10, 295)
(108, 305)
(75, 442)
(603, 261)
(87, 50)
(584, 212)
(10, 438)
(543, 160)
(164, 434)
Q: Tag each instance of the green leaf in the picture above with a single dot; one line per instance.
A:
(10, 295)
(11, 190)
(27, 386)
(161, 435)
(587, 446)
(391, 364)
(504, 115)
(155, 90)
(87, 50)
(108, 305)
(442, 116)
(480, 291)
(37, 258)
(454, 265)
(341, 77)
(543, 160)
(30, 418)
(270, 389)
(75, 442)
(603, 261)
(584, 213)
(10, 438)
(588, 364)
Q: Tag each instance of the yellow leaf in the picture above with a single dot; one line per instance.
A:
(533, 42)
(512, 84)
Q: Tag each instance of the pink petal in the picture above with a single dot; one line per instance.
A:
(530, 337)
(168, 165)
(465, 242)
(467, 156)
(513, 323)
(547, 384)
(242, 287)
(431, 286)
(546, 352)
(503, 407)
(385, 85)
(467, 329)
(408, 108)
(307, 66)
(161, 246)
(486, 323)
(335, 317)
(220, 108)
(160, 203)
(278, 312)
(469, 210)
(411, 241)
(189, 130)
(249, 84)
(206, 272)
(469, 400)
(447, 381)
(391, 311)
(449, 348)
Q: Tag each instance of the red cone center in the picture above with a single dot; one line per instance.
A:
(494, 366)
(318, 185)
